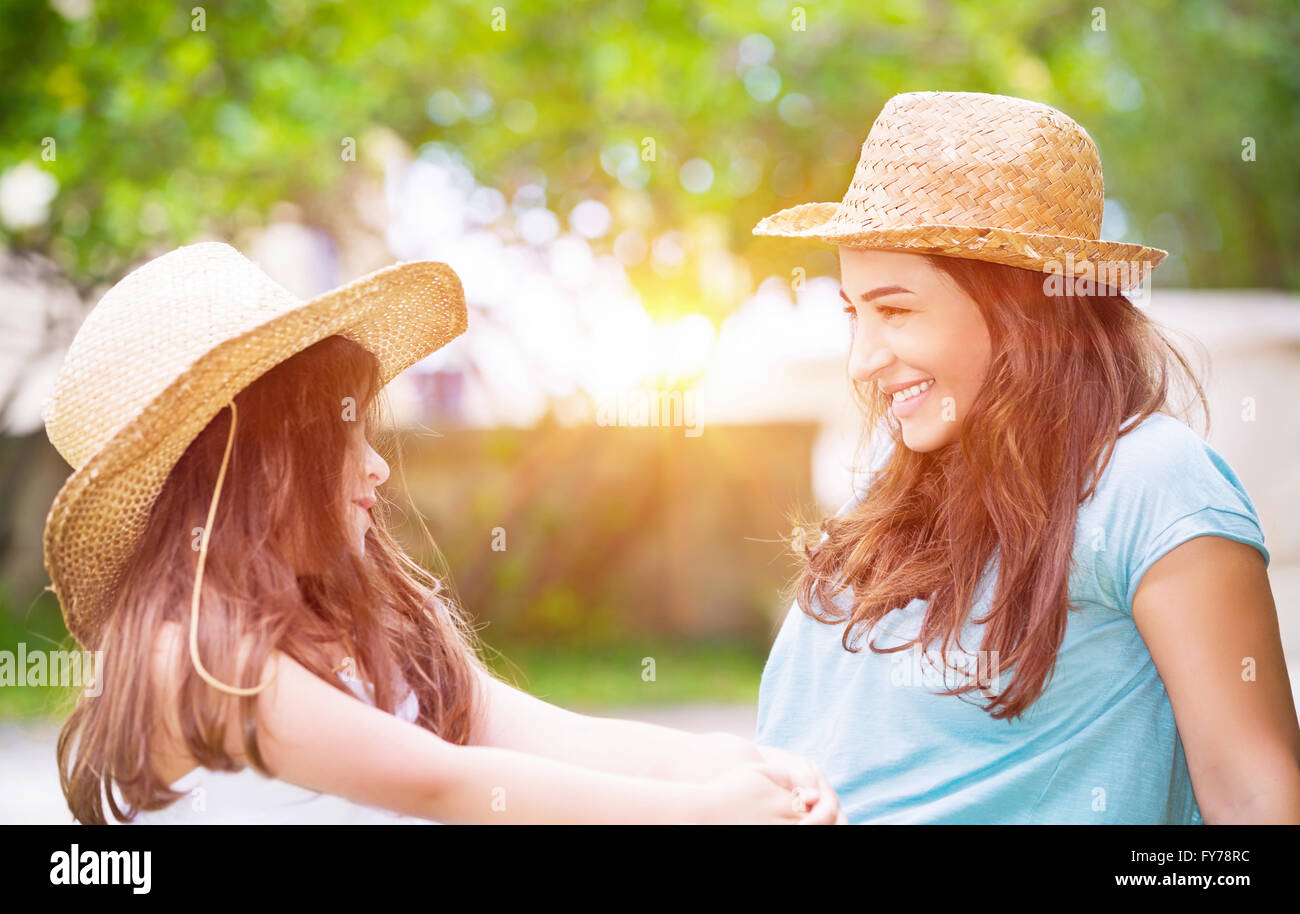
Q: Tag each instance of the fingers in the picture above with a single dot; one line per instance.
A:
(826, 811)
(821, 776)
(822, 812)
(831, 799)
(788, 805)
(802, 772)
(804, 799)
(813, 799)
(777, 774)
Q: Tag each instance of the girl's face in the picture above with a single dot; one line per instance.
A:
(370, 473)
(912, 325)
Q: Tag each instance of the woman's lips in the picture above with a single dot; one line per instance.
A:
(907, 407)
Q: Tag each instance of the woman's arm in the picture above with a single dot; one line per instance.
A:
(1206, 612)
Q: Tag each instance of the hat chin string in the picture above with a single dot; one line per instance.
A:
(198, 580)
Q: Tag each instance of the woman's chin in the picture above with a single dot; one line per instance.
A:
(922, 436)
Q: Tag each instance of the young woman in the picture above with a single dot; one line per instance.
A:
(1047, 603)
(271, 654)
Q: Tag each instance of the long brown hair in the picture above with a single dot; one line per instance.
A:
(1065, 372)
(281, 573)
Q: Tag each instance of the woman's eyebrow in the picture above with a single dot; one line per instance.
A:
(878, 293)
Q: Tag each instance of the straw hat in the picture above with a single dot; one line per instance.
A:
(986, 177)
(162, 353)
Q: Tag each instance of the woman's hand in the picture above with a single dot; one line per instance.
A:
(807, 777)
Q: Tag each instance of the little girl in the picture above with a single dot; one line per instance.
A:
(271, 654)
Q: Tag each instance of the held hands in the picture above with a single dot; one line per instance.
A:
(807, 778)
(783, 789)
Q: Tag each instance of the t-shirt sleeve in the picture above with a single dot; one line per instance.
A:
(1177, 488)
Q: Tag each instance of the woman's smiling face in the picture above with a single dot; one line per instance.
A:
(913, 325)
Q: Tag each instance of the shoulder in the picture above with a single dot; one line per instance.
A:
(171, 755)
(169, 665)
(164, 659)
(1158, 444)
(1162, 468)
(1163, 486)
(169, 657)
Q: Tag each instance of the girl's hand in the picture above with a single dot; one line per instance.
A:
(756, 793)
(807, 777)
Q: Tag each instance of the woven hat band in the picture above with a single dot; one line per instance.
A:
(978, 161)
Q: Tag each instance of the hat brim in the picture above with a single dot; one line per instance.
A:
(401, 313)
(1112, 263)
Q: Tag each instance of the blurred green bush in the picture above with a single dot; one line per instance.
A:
(170, 120)
(592, 533)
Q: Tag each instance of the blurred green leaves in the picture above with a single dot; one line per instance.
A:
(162, 132)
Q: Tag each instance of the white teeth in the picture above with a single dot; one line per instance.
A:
(912, 391)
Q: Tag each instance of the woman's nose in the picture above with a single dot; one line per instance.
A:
(867, 358)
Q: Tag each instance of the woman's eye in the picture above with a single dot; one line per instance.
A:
(885, 312)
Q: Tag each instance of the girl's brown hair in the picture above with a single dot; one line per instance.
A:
(1065, 372)
(282, 573)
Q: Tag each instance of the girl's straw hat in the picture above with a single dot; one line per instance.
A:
(986, 177)
(162, 353)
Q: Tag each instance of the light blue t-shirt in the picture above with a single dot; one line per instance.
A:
(1098, 746)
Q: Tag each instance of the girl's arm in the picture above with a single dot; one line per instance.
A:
(513, 719)
(315, 736)
(1206, 613)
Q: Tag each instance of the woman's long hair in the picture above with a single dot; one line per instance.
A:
(1065, 373)
(282, 573)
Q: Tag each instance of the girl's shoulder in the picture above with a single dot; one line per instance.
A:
(170, 756)
(168, 660)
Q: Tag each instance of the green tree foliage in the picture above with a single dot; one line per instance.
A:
(162, 131)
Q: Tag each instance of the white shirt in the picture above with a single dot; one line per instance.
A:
(249, 798)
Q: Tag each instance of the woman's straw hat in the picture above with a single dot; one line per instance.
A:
(162, 353)
(986, 177)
